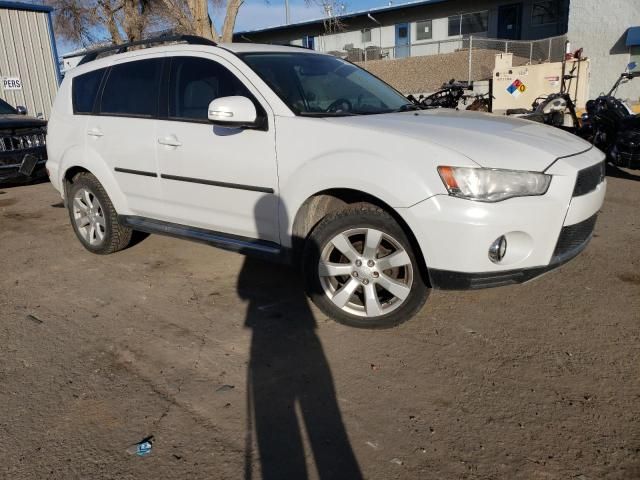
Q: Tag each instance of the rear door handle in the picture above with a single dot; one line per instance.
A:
(95, 132)
(170, 141)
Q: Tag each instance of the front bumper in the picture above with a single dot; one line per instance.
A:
(542, 232)
(573, 240)
(10, 166)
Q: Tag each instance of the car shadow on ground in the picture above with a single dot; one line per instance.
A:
(11, 184)
(616, 172)
(290, 391)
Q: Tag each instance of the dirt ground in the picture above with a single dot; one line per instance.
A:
(208, 352)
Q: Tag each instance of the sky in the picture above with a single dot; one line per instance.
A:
(256, 14)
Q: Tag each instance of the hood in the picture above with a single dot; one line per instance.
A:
(20, 121)
(491, 141)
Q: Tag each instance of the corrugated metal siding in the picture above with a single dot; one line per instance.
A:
(26, 52)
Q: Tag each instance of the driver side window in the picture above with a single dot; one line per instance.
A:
(194, 82)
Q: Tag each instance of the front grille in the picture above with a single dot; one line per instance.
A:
(22, 141)
(588, 179)
(573, 238)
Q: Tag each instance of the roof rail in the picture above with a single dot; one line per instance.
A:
(91, 55)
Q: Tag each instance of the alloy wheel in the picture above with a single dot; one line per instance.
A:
(365, 272)
(89, 217)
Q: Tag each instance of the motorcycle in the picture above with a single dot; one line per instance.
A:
(481, 102)
(613, 127)
(550, 110)
(553, 109)
(448, 96)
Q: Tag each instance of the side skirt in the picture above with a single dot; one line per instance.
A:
(247, 246)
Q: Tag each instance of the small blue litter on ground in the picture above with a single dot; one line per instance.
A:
(143, 449)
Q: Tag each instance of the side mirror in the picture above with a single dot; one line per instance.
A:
(21, 110)
(233, 111)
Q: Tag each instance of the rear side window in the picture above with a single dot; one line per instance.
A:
(84, 90)
(132, 89)
(195, 82)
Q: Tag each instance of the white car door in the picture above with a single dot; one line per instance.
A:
(122, 133)
(216, 178)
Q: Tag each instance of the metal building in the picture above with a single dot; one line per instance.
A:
(29, 69)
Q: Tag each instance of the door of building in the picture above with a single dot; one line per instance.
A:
(402, 40)
(510, 21)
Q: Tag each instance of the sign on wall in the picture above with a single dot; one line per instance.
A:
(11, 83)
(517, 88)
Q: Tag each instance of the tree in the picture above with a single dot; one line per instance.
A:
(116, 21)
(192, 16)
(88, 22)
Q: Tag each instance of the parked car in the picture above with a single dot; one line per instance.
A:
(22, 145)
(302, 157)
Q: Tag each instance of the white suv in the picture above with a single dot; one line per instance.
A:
(303, 157)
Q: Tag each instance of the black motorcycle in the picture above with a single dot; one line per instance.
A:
(448, 96)
(612, 127)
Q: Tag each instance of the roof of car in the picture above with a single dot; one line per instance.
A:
(260, 47)
(234, 48)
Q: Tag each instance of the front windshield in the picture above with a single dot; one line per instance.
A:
(6, 109)
(322, 85)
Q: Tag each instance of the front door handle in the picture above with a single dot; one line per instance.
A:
(95, 132)
(169, 141)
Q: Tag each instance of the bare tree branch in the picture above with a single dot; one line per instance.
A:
(89, 21)
(233, 7)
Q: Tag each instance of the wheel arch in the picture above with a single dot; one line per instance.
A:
(322, 203)
(102, 174)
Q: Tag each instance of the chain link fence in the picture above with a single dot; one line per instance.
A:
(524, 52)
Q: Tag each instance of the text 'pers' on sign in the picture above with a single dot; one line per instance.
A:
(11, 83)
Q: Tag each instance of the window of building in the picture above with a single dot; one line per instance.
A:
(454, 25)
(194, 82)
(545, 12)
(132, 89)
(634, 57)
(84, 90)
(366, 35)
(477, 22)
(308, 42)
(423, 30)
(469, 23)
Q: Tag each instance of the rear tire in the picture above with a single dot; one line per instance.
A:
(94, 218)
(361, 270)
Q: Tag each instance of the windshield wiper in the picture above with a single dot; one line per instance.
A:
(407, 107)
(327, 114)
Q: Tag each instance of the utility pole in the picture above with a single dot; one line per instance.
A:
(287, 15)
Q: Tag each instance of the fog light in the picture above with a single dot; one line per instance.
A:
(498, 249)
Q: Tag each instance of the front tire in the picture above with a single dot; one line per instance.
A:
(361, 269)
(94, 218)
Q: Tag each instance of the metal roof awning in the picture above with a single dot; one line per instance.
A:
(633, 37)
(345, 16)
(29, 7)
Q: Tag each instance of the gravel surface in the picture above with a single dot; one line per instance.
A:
(427, 73)
(212, 353)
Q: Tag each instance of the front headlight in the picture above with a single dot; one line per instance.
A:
(492, 185)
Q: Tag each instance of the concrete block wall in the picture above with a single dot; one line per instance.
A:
(600, 28)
